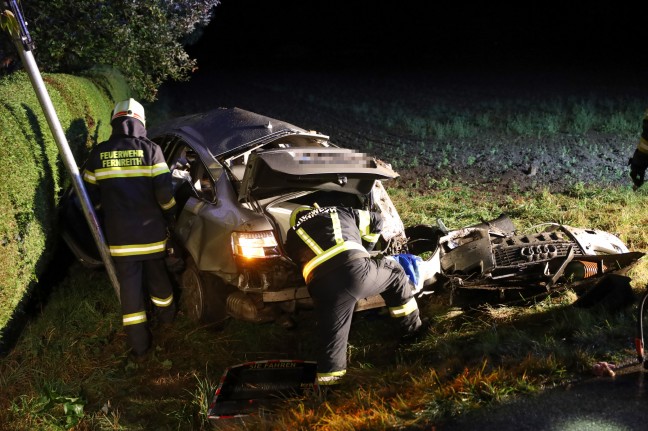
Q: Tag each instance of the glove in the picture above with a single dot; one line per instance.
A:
(638, 164)
(171, 223)
(174, 259)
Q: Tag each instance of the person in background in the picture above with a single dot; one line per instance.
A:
(129, 179)
(639, 160)
(331, 244)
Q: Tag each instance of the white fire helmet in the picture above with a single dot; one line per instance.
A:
(129, 108)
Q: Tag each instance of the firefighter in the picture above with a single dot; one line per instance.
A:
(128, 178)
(331, 246)
(639, 160)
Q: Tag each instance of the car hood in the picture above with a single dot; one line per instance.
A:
(225, 132)
(280, 171)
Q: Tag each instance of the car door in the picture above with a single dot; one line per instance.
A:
(208, 210)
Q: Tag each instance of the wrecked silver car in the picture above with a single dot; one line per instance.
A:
(238, 177)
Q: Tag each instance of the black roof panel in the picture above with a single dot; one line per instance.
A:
(224, 130)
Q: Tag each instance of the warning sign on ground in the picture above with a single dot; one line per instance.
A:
(247, 388)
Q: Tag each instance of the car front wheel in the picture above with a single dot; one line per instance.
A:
(203, 296)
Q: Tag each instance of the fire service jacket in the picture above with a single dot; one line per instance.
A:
(130, 180)
(325, 237)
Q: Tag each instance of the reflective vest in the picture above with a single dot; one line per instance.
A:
(325, 237)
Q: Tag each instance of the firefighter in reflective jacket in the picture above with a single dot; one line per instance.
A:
(331, 246)
(130, 180)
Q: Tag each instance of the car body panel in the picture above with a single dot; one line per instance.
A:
(278, 171)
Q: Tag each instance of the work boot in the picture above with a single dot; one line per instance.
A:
(139, 358)
(163, 326)
(329, 392)
(162, 321)
(418, 334)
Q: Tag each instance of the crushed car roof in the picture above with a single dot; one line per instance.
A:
(225, 130)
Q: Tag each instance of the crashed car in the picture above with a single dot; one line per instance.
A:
(238, 176)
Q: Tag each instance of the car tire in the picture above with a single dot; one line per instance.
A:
(203, 296)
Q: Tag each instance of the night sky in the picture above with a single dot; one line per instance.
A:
(333, 35)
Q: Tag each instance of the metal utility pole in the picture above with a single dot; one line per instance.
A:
(14, 23)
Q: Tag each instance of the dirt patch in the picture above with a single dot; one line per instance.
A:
(522, 164)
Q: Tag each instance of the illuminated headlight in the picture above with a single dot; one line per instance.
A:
(254, 244)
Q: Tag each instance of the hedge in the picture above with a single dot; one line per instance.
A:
(33, 174)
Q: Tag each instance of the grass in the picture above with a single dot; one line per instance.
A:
(432, 113)
(69, 369)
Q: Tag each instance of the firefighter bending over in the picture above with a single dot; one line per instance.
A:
(130, 180)
(639, 160)
(331, 246)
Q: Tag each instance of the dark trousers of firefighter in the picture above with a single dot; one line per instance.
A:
(336, 293)
(136, 279)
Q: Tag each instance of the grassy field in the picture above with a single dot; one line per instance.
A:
(69, 369)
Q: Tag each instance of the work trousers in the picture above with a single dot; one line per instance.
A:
(335, 294)
(136, 279)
